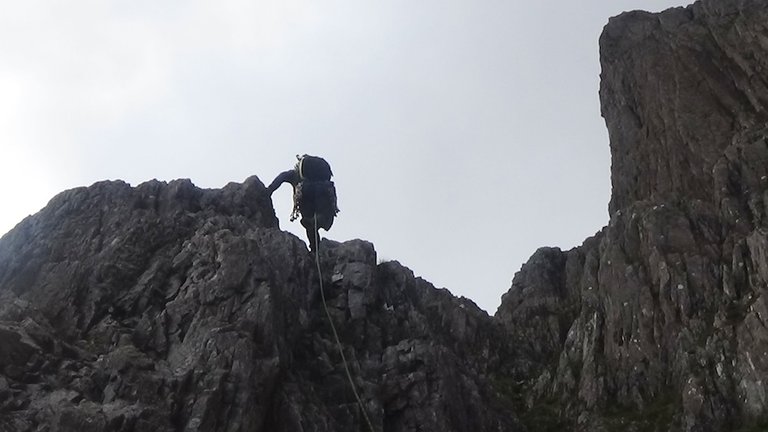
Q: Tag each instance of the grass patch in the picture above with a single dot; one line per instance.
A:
(660, 415)
(543, 416)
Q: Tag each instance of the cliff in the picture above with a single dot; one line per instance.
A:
(171, 308)
(659, 321)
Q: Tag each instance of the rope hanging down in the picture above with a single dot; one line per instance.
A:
(333, 328)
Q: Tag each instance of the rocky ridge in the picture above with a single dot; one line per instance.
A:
(167, 307)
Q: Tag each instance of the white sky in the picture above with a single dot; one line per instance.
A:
(464, 134)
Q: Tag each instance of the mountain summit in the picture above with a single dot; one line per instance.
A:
(166, 307)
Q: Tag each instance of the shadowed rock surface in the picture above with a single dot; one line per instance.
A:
(659, 321)
(166, 307)
(170, 308)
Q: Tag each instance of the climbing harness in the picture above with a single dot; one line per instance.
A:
(333, 328)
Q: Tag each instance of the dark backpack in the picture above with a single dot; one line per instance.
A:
(316, 198)
(314, 168)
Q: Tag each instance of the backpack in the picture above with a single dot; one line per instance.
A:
(313, 168)
(315, 198)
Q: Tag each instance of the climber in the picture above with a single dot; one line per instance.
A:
(314, 195)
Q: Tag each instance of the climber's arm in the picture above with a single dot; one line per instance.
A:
(290, 176)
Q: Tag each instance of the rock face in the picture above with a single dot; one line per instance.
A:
(677, 89)
(165, 307)
(659, 321)
(170, 308)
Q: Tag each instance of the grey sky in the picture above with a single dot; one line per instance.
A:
(463, 134)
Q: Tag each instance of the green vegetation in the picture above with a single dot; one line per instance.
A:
(543, 416)
(658, 416)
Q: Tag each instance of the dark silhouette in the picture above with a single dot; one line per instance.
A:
(314, 195)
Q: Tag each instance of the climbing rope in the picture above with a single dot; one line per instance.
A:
(333, 328)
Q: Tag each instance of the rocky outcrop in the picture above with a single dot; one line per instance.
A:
(676, 89)
(659, 321)
(171, 308)
(165, 307)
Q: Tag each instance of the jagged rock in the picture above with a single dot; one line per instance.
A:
(165, 307)
(676, 88)
(669, 329)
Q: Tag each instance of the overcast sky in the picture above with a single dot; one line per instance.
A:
(463, 135)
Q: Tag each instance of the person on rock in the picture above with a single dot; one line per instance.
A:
(314, 195)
